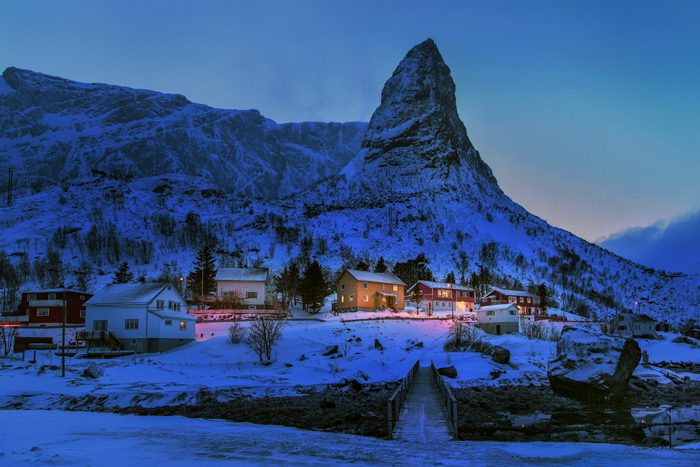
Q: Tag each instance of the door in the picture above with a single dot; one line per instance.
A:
(99, 325)
(498, 329)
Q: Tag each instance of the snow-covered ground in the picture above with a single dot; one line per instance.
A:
(98, 439)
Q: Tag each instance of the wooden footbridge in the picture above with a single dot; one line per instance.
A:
(423, 408)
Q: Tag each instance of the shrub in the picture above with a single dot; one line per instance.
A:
(236, 333)
(263, 336)
(463, 337)
(684, 340)
(534, 329)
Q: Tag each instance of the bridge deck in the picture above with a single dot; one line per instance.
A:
(423, 418)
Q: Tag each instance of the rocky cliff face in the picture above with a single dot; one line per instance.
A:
(53, 129)
(415, 138)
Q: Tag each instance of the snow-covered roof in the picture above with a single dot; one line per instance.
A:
(443, 285)
(640, 318)
(517, 293)
(241, 274)
(381, 277)
(503, 306)
(55, 291)
(115, 294)
(170, 314)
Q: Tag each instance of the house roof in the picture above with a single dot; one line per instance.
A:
(170, 314)
(502, 306)
(55, 291)
(120, 294)
(517, 293)
(241, 274)
(381, 277)
(443, 285)
(637, 317)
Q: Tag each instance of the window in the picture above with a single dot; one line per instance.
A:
(252, 307)
(183, 325)
(82, 297)
(52, 296)
(521, 299)
(622, 328)
(529, 300)
(396, 288)
(444, 293)
(160, 305)
(512, 312)
(170, 304)
(365, 297)
(131, 324)
(512, 300)
(42, 312)
(251, 295)
(82, 313)
(99, 325)
(168, 322)
(32, 296)
(133, 341)
(342, 299)
(365, 285)
(342, 286)
(383, 286)
(490, 313)
(350, 299)
(177, 306)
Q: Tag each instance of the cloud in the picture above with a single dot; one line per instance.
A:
(672, 246)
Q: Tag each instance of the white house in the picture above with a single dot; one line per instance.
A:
(499, 319)
(250, 284)
(146, 317)
(635, 325)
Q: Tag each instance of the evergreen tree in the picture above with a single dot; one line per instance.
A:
(381, 265)
(414, 270)
(313, 288)
(286, 283)
(123, 275)
(545, 294)
(450, 278)
(462, 264)
(362, 266)
(201, 279)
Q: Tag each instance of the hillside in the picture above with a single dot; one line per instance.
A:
(415, 184)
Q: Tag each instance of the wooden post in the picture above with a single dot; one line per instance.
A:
(391, 428)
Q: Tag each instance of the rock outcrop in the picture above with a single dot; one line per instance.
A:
(592, 367)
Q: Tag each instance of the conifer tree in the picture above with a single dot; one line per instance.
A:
(545, 294)
(123, 275)
(362, 266)
(381, 265)
(201, 279)
(286, 284)
(450, 278)
(313, 288)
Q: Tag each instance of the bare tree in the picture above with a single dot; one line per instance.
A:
(263, 335)
(7, 336)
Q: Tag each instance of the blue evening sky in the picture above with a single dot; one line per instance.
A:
(588, 112)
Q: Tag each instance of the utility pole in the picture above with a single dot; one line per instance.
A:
(9, 187)
(63, 350)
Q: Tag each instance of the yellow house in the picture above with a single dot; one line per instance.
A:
(369, 291)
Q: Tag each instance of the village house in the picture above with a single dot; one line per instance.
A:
(369, 291)
(251, 285)
(443, 296)
(499, 319)
(635, 325)
(144, 317)
(662, 326)
(692, 331)
(528, 303)
(45, 307)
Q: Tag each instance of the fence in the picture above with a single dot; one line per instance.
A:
(447, 398)
(397, 400)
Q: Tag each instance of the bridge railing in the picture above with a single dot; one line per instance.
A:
(398, 399)
(447, 398)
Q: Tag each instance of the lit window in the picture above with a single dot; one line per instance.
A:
(396, 288)
(342, 299)
(521, 299)
(42, 312)
(365, 297)
(365, 285)
(131, 324)
(529, 300)
(251, 295)
(350, 299)
(183, 325)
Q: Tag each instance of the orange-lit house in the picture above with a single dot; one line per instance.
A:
(369, 291)
(529, 303)
(444, 296)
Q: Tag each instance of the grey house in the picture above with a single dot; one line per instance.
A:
(635, 325)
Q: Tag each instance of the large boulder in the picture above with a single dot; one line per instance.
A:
(500, 355)
(449, 371)
(330, 350)
(93, 371)
(591, 366)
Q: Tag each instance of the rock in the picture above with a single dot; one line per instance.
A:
(449, 371)
(378, 345)
(303, 357)
(330, 350)
(592, 367)
(327, 404)
(289, 365)
(356, 385)
(419, 345)
(361, 374)
(496, 373)
(93, 371)
(500, 355)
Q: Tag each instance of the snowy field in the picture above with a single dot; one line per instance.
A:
(97, 439)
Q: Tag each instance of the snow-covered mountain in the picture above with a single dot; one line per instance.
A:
(414, 184)
(55, 130)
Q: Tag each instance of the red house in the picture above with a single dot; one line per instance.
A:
(444, 296)
(45, 307)
(529, 303)
(693, 331)
(663, 326)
